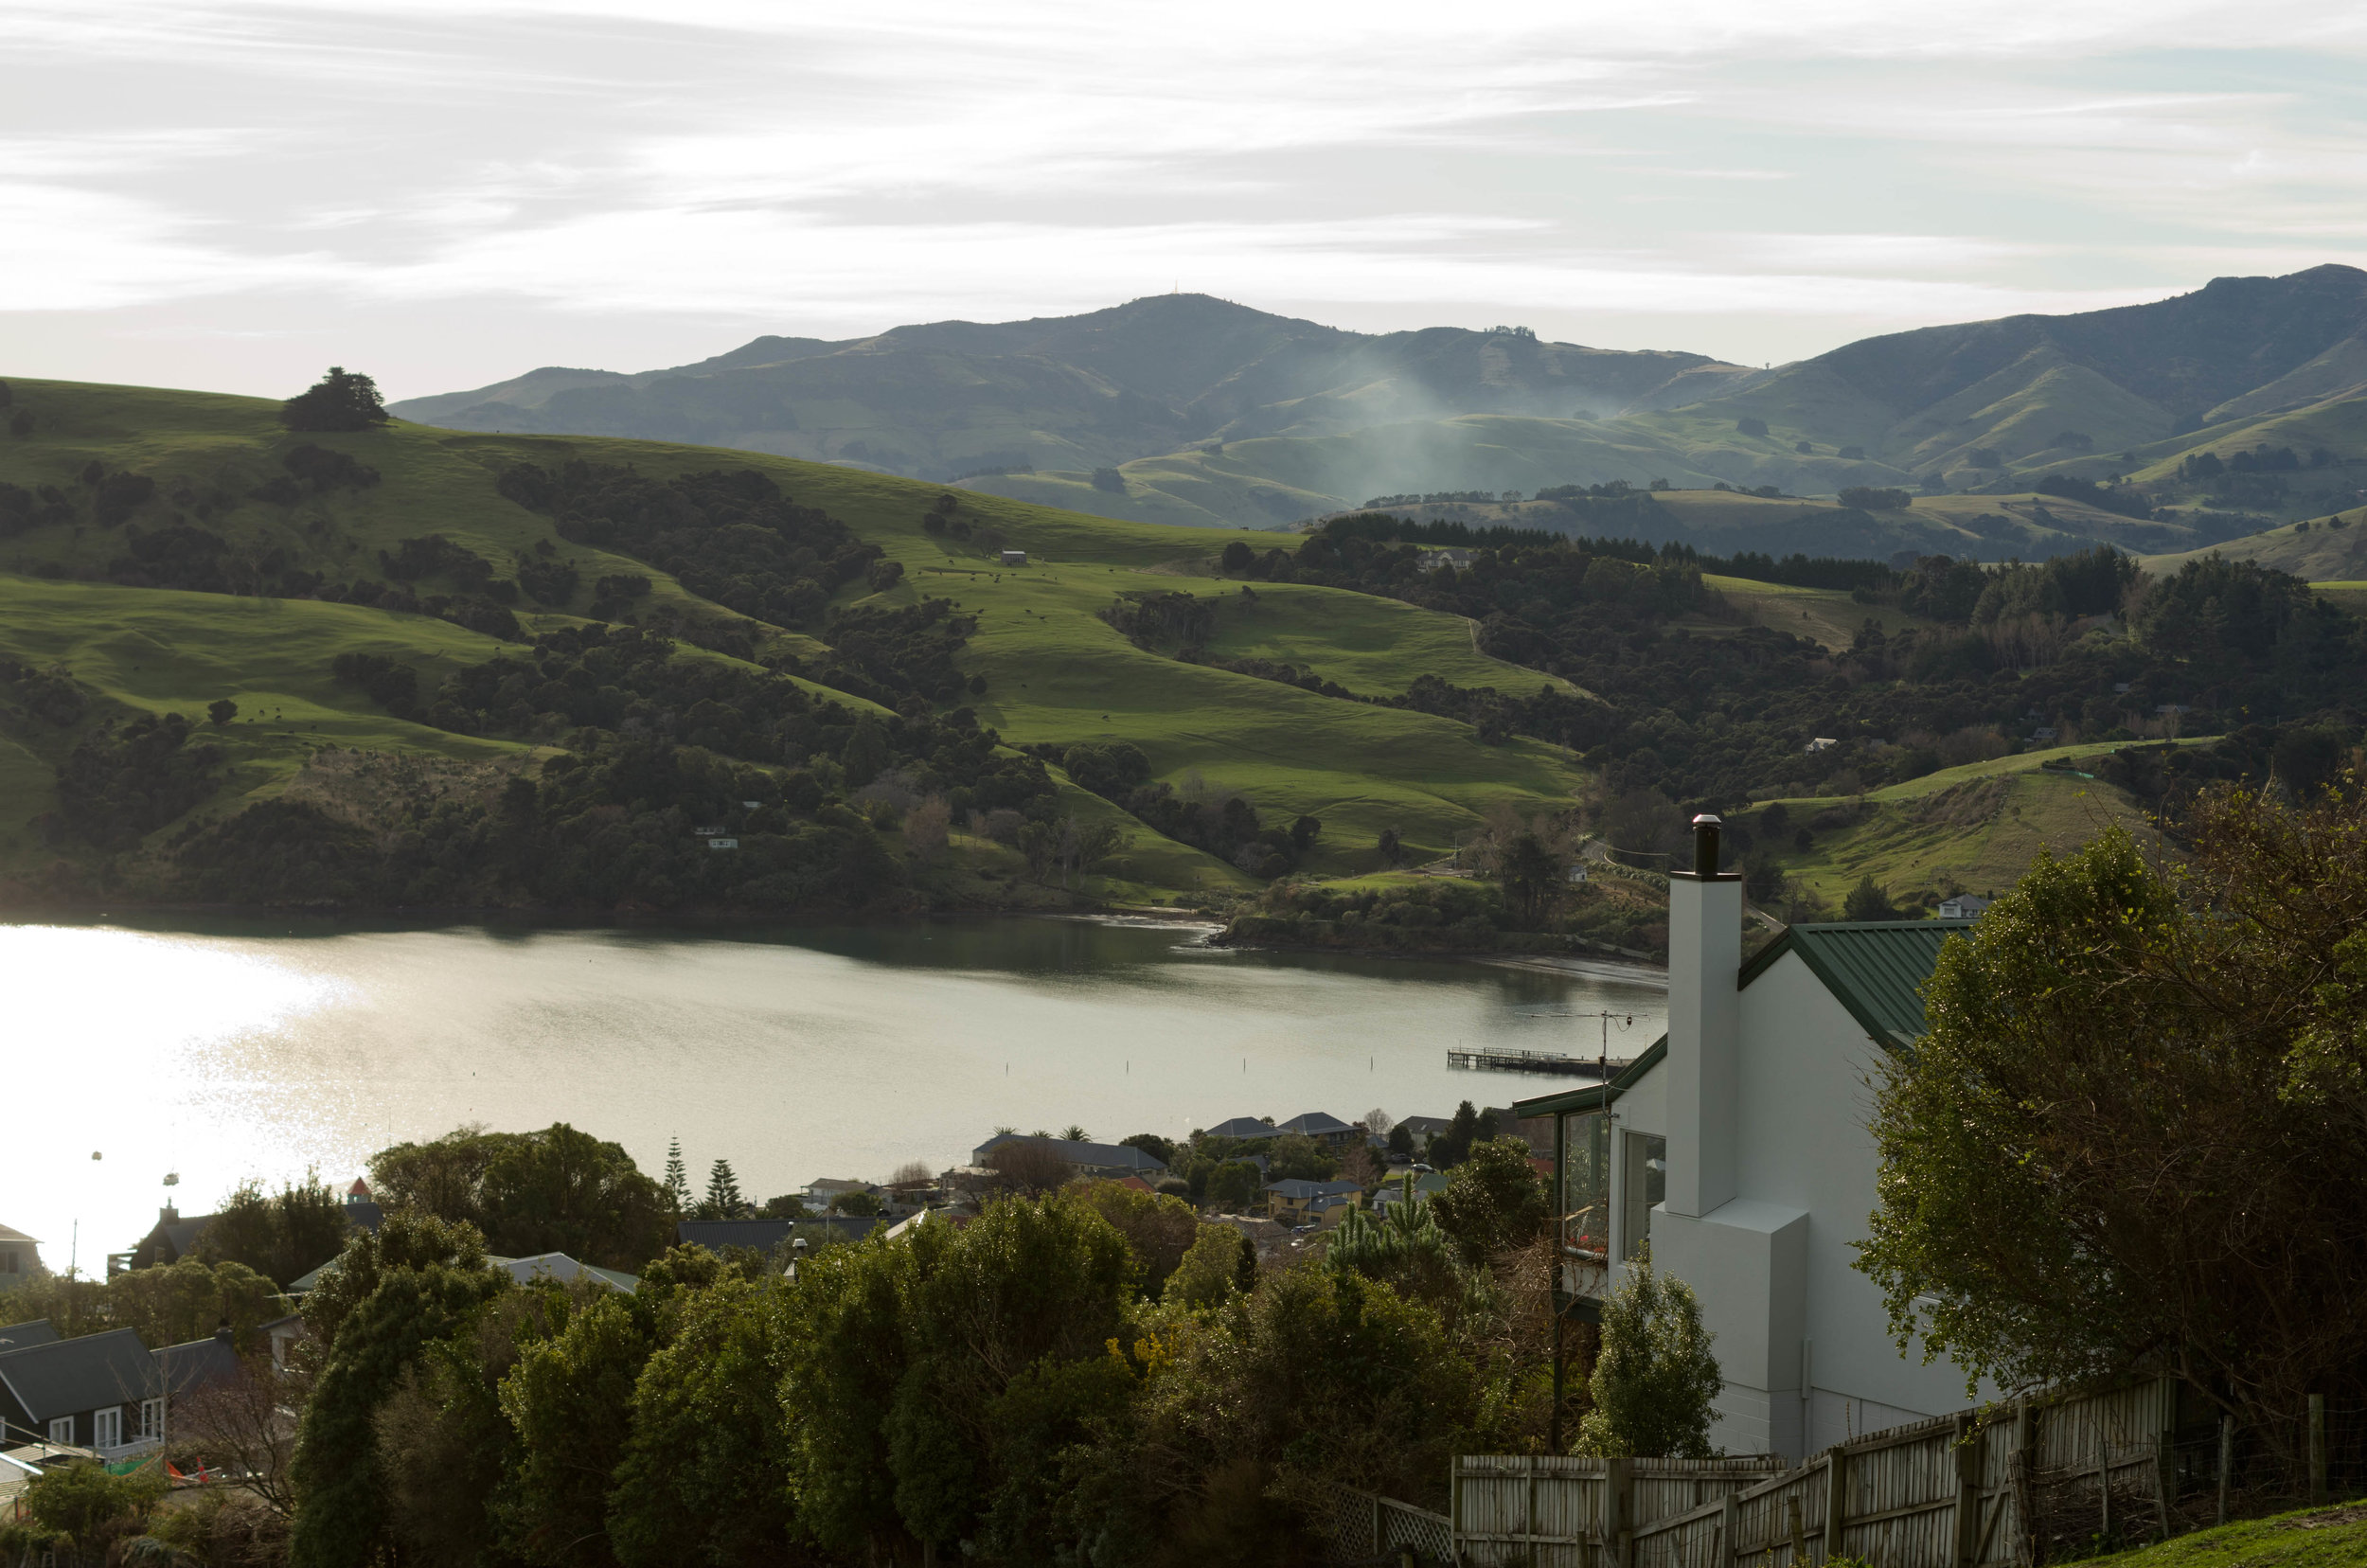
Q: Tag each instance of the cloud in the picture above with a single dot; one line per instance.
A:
(817, 169)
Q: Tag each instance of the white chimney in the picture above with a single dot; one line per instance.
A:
(1704, 1028)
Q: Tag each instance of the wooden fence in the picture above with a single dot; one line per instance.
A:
(2018, 1485)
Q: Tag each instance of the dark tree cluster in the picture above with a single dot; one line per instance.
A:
(49, 696)
(731, 538)
(1718, 720)
(342, 400)
(22, 510)
(900, 658)
(660, 747)
(314, 471)
(118, 785)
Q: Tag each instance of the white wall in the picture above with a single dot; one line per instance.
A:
(1804, 1146)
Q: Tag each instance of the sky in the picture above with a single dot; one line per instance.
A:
(448, 192)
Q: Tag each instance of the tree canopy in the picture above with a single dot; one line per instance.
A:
(2135, 1138)
(341, 399)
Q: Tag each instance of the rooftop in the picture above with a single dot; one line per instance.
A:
(70, 1376)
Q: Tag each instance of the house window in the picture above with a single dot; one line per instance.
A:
(106, 1428)
(1643, 1184)
(61, 1430)
(1586, 1186)
(152, 1419)
(7, 1261)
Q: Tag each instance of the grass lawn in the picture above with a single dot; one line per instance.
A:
(1829, 615)
(2314, 1538)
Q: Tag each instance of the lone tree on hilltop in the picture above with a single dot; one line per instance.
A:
(342, 400)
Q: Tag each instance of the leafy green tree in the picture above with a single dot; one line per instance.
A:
(1236, 557)
(677, 1181)
(445, 1449)
(337, 1469)
(708, 1442)
(1205, 1275)
(1451, 1148)
(1530, 871)
(863, 1206)
(187, 1300)
(221, 710)
(1030, 1283)
(1296, 1156)
(527, 1193)
(404, 1240)
(1401, 1141)
(1655, 1379)
(82, 1502)
(1159, 1230)
(2156, 1073)
(1868, 901)
(1494, 1203)
(282, 1236)
(341, 399)
(844, 1352)
(1232, 1185)
(865, 753)
(570, 1402)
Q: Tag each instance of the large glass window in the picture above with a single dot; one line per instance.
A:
(107, 1429)
(1585, 1203)
(1644, 1182)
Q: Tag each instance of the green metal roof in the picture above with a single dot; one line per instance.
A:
(1876, 969)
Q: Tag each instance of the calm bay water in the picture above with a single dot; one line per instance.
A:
(223, 1050)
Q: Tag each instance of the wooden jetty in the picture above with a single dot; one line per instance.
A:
(1531, 1061)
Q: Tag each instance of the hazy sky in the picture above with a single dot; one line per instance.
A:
(446, 194)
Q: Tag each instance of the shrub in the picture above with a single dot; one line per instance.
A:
(341, 399)
(1654, 1377)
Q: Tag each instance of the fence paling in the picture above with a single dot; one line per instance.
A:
(1950, 1492)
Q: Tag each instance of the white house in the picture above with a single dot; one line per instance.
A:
(1738, 1146)
(1964, 906)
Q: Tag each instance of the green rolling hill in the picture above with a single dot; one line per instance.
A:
(118, 502)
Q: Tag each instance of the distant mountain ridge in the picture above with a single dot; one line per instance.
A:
(1073, 392)
(1218, 414)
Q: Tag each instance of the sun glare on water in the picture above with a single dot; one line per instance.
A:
(128, 1045)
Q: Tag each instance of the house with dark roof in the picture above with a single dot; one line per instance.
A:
(1244, 1128)
(769, 1236)
(20, 1256)
(18, 1336)
(1086, 1159)
(1738, 1148)
(97, 1391)
(1324, 1127)
(1422, 1129)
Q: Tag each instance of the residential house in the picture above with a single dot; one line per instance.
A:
(820, 1194)
(1964, 906)
(183, 1369)
(19, 1254)
(1323, 1129)
(559, 1266)
(769, 1236)
(1086, 1159)
(1427, 1184)
(1244, 1128)
(1300, 1202)
(99, 1391)
(1015, 558)
(1738, 1147)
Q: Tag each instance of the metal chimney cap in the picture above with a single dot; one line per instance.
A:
(1708, 819)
